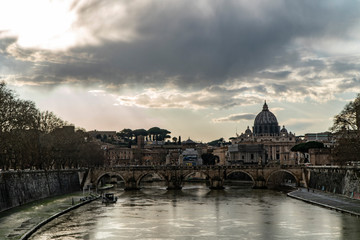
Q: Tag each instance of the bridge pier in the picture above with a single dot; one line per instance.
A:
(174, 183)
(131, 184)
(260, 184)
(216, 183)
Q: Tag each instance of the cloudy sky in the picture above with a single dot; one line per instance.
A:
(199, 68)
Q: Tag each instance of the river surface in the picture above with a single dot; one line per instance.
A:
(195, 212)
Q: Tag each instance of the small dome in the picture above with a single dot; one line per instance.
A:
(189, 142)
(283, 130)
(248, 131)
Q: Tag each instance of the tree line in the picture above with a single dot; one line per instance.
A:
(30, 138)
(346, 129)
(152, 134)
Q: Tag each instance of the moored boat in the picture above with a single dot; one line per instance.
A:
(109, 198)
(106, 186)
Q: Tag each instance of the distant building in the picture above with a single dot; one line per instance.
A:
(324, 137)
(320, 156)
(190, 157)
(172, 157)
(189, 143)
(267, 143)
(246, 153)
(221, 153)
(116, 156)
(102, 134)
(67, 130)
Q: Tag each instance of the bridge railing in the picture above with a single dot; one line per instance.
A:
(184, 167)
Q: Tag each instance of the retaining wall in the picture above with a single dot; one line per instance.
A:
(20, 187)
(340, 180)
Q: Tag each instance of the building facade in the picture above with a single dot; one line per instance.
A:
(267, 143)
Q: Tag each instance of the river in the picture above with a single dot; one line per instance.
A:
(195, 212)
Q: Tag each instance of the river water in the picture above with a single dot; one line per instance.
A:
(195, 212)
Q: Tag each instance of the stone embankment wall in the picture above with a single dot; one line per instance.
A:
(340, 180)
(20, 187)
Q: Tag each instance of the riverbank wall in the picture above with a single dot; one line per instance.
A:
(21, 187)
(344, 180)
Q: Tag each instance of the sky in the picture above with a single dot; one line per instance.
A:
(200, 68)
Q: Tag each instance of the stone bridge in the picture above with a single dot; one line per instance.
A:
(176, 175)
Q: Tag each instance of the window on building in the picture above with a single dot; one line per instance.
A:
(252, 156)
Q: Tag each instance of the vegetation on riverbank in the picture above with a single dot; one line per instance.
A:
(34, 139)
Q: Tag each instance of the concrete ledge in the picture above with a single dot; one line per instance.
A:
(314, 202)
(28, 234)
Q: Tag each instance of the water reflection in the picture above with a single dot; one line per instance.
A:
(195, 212)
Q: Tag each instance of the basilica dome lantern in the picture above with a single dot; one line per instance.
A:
(266, 123)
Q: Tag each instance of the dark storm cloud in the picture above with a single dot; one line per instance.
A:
(193, 45)
(280, 88)
(236, 117)
(177, 39)
(275, 75)
(350, 83)
(8, 64)
(345, 66)
(5, 42)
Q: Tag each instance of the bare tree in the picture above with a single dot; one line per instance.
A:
(33, 139)
(349, 117)
(346, 129)
(47, 122)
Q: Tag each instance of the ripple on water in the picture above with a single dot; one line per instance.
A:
(197, 214)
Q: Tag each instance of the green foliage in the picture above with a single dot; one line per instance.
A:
(140, 132)
(304, 147)
(208, 159)
(126, 133)
(217, 142)
(153, 134)
(154, 131)
(158, 134)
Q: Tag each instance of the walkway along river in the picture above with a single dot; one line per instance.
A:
(195, 212)
(17, 221)
(332, 201)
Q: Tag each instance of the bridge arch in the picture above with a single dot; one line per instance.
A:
(110, 174)
(273, 173)
(241, 171)
(193, 172)
(142, 176)
(216, 175)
